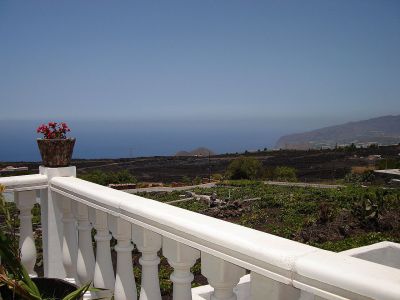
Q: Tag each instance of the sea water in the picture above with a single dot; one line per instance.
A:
(115, 139)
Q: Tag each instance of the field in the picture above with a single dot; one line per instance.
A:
(332, 219)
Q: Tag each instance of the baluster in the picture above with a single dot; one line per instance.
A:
(125, 287)
(70, 243)
(85, 258)
(52, 231)
(103, 271)
(25, 201)
(148, 243)
(223, 276)
(261, 286)
(181, 257)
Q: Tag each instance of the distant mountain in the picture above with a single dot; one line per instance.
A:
(201, 151)
(383, 131)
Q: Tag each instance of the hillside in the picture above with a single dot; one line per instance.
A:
(383, 131)
(201, 151)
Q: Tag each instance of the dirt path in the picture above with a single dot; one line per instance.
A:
(302, 184)
(169, 189)
(211, 185)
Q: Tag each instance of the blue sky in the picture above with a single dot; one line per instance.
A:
(313, 63)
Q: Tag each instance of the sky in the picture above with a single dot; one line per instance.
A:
(299, 64)
(174, 60)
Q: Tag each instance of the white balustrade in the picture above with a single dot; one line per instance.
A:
(280, 268)
(103, 271)
(85, 257)
(148, 243)
(25, 201)
(181, 257)
(125, 287)
(223, 276)
(261, 286)
(70, 240)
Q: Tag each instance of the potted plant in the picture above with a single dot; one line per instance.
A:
(15, 283)
(55, 148)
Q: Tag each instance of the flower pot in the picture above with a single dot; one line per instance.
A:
(56, 152)
(50, 288)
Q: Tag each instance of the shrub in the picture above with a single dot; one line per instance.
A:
(350, 148)
(370, 208)
(285, 174)
(106, 178)
(245, 168)
(365, 177)
(124, 176)
(197, 180)
(186, 180)
(217, 176)
(388, 163)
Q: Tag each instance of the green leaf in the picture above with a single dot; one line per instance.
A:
(78, 293)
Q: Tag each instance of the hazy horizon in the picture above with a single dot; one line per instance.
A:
(115, 139)
(118, 139)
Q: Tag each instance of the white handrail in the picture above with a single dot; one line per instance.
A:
(308, 268)
(24, 182)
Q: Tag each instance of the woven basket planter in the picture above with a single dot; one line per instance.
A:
(56, 152)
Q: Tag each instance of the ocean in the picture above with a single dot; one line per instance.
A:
(116, 139)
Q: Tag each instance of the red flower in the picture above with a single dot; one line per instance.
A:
(54, 130)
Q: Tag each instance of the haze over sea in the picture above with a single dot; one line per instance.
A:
(115, 139)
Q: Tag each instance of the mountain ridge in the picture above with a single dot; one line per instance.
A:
(384, 130)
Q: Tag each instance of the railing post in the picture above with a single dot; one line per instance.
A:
(103, 270)
(70, 243)
(148, 243)
(223, 276)
(51, 214)
(85, 258)
(25, 202)
(261, 286)
(181, 257)
(125, 286)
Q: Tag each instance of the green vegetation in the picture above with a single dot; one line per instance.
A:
(106, 178)
(162, 196)
(240, 183)
(366, 177)
(388, 163)
(217, 177)
(356, 241)
(245, 168)
(193, 205)
(334, 219)
(284, 174)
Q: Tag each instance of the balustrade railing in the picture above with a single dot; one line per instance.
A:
(280, 269)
